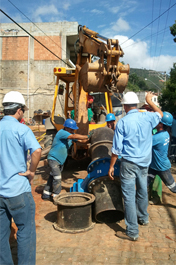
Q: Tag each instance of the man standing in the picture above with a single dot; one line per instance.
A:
(160, 164)
(111, 121)
(58, 155)
(133, 141)
(16, 200)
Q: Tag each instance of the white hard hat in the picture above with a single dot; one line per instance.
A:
(130, 98)
(14, 97)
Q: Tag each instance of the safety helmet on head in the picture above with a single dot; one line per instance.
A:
(130, 98)
(69, 123)
(110, 117)
(14, 97)
(167, 118)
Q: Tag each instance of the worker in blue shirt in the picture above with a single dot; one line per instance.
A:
(16, 200)
(111, 121)
(172, 155)
(133, 141)
(160, 164)
(58, 155)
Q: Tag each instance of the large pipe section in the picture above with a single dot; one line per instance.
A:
(108, 206)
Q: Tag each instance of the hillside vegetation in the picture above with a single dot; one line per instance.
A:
(145, 80)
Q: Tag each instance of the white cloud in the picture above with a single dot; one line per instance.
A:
(124, 7)
(120, 25)
(45, 10)
(114, 9)
(101, 26)
(136, 55)
(97, 12)
(116, 27)
(66, 6)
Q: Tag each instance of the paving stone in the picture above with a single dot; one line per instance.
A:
(144, 255)
(100, 246)
(128, 254)
(161, 256)
(165, 262)
(173, 256)
(136, 262)
(150, 261)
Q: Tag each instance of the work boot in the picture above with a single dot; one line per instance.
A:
(155, 201)
(123, 235)
(141, 222)
(47, 198)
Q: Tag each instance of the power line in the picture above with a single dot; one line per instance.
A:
(33, 37)
(157, 31)
(148, 24)
(36, 25)
(160, 32)
(151, 29)
(163, 35)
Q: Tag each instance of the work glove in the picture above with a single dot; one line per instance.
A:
(90, 134)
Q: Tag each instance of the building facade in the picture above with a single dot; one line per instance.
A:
(27, 66)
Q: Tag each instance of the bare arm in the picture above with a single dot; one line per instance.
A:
(35, 158)
(83, 141)
(78, 136)
(152, 104)
(111, 168)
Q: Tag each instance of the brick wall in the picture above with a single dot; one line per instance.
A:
(16, 73)
(15, 48)
(53, 43)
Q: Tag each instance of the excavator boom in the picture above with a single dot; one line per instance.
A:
(106, 74)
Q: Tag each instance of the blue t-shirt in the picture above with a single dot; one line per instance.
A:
(174, 128)
(133, 136)
(15, 140)
(60, 146)
(160, 160)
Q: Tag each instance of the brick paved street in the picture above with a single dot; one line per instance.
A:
(99, 246)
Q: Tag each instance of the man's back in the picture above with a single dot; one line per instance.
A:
(60, 146)
(160, 160)
(134, 136)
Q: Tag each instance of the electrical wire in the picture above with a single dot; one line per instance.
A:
(147, 24)
(163, 37)
(35, 25)
(151, 32)
(160, 32)
(34, 37)
(157, 34)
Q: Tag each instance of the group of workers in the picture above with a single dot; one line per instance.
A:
(141, 153)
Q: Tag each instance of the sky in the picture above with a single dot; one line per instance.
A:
(141, 26)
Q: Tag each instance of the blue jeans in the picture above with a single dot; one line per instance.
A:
(134, 189)
(22, 209)
(53, 185)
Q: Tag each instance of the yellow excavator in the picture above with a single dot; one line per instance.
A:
(98, 73)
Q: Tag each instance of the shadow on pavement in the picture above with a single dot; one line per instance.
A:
(51, 217)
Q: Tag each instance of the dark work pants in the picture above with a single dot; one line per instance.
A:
(165, 176)
(53, 186)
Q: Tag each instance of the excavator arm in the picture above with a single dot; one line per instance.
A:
(107, 73)
(98, 69)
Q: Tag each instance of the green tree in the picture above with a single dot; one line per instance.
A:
(142, 84)
(133, 78)
(168, 98)
(173, 30)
